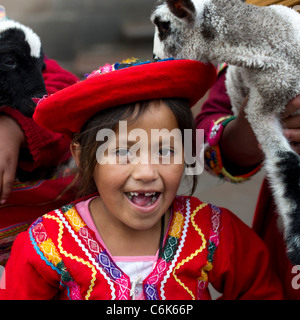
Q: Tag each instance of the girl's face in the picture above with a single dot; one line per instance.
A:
(135, 195)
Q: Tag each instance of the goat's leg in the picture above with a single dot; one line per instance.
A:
(282, 165)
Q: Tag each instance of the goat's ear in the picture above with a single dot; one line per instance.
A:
(183, 9)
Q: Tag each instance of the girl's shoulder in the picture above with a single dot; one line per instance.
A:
(200, 222)
(202, 211)
(57, 223)
(204, 214)
(217, 224)
(56, 228)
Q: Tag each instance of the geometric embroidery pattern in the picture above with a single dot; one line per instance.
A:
(115, 274)
(89, 241)
(168, 251)
(98, 253)
(165, 264)
(170, 248)
(213, 242)
(177, 225)
(74, 219)
(109, 266)
(193, 255)
(71, 256)
(48, 252)
(151, 292)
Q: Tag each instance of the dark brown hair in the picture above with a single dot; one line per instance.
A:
(109, 119)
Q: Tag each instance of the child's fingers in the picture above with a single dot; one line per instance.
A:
(293, 135)
(292, 122)
(7, 176)
(7, 183)
(292, 131)
(293, 106)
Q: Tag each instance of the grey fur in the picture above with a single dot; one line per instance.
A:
(262, 47)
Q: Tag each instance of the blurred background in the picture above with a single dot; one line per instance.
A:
(85, 34)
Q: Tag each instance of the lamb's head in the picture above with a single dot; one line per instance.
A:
(175, 31)
(21, 66)
(183, 28)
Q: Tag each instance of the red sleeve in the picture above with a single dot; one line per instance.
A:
(45, 148)
(27, 276)
(56, 78)
(216, 106)
(242, 268)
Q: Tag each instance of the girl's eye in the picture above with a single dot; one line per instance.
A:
(166, 152)
(122, 152)
(123, 156)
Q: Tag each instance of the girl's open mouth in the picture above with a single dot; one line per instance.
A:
(143, 199)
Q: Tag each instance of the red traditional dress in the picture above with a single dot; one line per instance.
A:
(33, 197)
(60, 257)
(214, 115)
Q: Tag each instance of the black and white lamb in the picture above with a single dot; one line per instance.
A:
(262, 47)
(21, 65)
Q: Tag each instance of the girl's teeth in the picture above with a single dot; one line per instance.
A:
(153, 196)
(148, 194)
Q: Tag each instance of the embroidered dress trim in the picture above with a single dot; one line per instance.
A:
(96, 258)
(193, 255)
(61, 221)
(48, 253)
(84, 236)
(118, 281)
(213, 243)
(178, 230)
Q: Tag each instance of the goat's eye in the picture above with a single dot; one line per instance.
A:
(9, 62)
(163, 27)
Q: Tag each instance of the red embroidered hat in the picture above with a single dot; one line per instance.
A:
(67, 110)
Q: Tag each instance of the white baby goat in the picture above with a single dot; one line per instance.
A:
(262, 47)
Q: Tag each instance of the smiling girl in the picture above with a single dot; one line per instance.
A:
(132, 237)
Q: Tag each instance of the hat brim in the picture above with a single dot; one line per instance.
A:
(67, 111)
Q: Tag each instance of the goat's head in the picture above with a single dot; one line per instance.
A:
(21, 66)
(176, 33)
(183, 28)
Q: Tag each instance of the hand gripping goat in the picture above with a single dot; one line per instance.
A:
(21, 65)
(262, 47)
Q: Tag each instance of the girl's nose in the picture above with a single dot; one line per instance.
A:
(145, 172)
